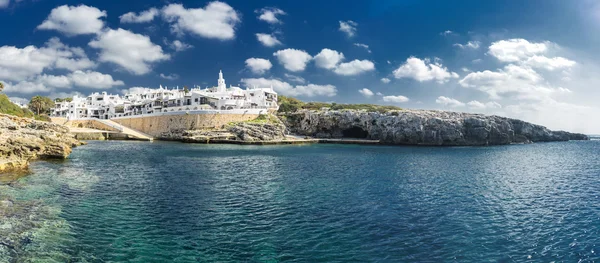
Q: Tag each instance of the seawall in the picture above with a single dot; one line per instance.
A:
(164, 126)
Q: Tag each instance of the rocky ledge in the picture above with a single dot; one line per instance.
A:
(235, 132)
(24, 139)
(421, 127)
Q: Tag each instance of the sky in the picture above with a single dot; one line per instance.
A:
(535, 60)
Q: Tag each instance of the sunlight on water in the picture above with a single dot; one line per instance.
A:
(172, 202)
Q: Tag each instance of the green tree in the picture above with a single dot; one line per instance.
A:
(40, 104)
(186, 89)
(1, 86)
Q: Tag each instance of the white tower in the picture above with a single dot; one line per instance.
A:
(221, 87)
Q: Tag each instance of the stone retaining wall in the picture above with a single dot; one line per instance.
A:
(161, 126)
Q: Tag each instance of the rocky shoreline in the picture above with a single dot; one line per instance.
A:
(23, 140)
(421, 127)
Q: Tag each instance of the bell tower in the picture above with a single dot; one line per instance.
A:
(221, 87)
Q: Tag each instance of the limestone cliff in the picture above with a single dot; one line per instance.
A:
(24, 139)
(421, 127)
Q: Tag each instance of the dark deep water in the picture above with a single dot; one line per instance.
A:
(172, 202)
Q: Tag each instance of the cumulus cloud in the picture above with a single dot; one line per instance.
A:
(4, 3)
(133, 52)
(142, 17)
(385, 80)
(310, 90)
(258, 65)
(514, 81)
(366, 92)
(179, 46)
(269, 15)
(348, 27)
(365, 46)
(395, 99)
(424, 70)
(481, 106)
(469, 45)
(267, 40)
(217, 20)
(169, 76)
(514, 50)
(293, 59)
(354, 67)
(549, 63)
(74, 20)
(22, 63)
(449, 102)
(48, 83)
(328, 59)
(92, 79)
(295, 78)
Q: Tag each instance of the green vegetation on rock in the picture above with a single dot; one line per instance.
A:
(289, 104)
(10, 108)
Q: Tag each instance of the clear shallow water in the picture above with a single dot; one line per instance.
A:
(159, 202)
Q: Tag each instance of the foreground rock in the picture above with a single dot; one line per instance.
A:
(24, 139)
(422, 127)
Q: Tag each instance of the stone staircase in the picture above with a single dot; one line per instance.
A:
(125, 130)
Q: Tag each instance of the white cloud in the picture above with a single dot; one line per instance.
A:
(22, 63)
(328, 59)
(470, 44)
(385, 80)
(424, 70)
(365, 46)
(481, 106)
(180, 46)
(4, 3)
(354, 67)
(295, 78)
(169, 76)
(74, 20)
(269, 15)
(449, 102)
(258, 65)
(348, 27)
(48, 83)
(395, 99)
(366, 92)
(133, 52)
(447, 32)
(217, 20)
(143, 17)
(379, 94)
(267, 40)
(549, 63)
(310, 90)
(92, 79)
(515, 81)
(293, 59)
(514, 50)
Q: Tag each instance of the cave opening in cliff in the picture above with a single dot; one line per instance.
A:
(355, 132)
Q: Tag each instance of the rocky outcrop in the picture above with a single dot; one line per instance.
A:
(421, 127)
(24, 139)
(235, 132)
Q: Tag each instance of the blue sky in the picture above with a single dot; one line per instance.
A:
(534, 60)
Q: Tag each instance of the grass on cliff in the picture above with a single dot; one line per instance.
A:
(289, 104)
(10, 108)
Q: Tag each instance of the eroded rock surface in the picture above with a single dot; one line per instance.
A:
(422, 127)
(24, 139)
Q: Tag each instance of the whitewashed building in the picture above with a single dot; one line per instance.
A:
(251, 100)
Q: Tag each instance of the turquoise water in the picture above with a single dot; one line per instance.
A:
(173, 202)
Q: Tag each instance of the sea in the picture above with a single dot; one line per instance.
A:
(127, 201)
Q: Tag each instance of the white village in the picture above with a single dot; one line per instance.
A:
(161, 101)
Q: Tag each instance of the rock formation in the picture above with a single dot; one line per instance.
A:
(24, 139)
(235, 132)
(421, 127)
